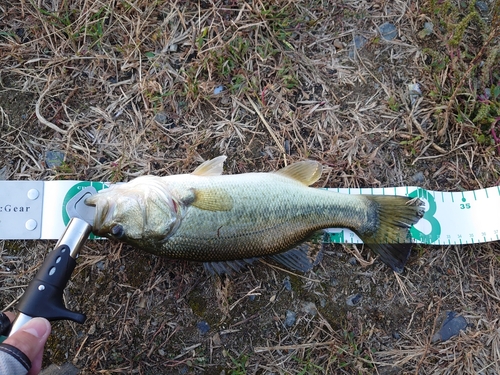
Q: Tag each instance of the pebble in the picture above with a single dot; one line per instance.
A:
(173, 47)
(388, 31)
(216, 340)
(418, 178)
(451, 326)
(338, 44)
(482, 6)
(3, 173)
(161, 118)
(354, 299)
(290, 318)
(286, 145)
(310, 308)
(352, 261)
(427, 30)
(414, 92)
(287, 284)
(359, 41)
(203, 327)
(54, 159)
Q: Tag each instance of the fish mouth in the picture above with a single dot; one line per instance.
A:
(102, 212)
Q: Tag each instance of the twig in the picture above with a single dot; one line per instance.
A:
(39, 115)
(259, 349)
(269, 129)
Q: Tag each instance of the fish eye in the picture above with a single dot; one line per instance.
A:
(117, 231)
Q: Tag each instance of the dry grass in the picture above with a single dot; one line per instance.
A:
(127, 88)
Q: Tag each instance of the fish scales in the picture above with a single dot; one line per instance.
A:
(268, 210)
(210, 217)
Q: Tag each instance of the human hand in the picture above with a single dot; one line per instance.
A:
(30, 339)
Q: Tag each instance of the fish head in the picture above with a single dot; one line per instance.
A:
(141, 212)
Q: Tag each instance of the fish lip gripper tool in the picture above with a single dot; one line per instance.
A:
(44, 295)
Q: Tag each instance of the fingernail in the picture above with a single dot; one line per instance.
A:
(37, 327)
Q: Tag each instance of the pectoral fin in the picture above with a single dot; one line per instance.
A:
(212, 200)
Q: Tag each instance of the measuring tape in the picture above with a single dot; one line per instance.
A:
(36, 210)
(450, 218)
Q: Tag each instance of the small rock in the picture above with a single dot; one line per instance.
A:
(216, 340)
(352, 261)
(451, 326)
(482, 6)
(310, 308)
(388, 31)
(92, 329)
(161, 118)
(290, 318)
(338, 44)
(3, 173)
(414, 92)
(418, 178)
(427, 30)
(203, 327)
(354, 299)
(54, 159)
(218, 90)
(286, 145)
(161, 352)
(173, 47)
(359, 41)
(334, 281)
(287, 284)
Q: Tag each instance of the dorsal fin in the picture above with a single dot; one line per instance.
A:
(307, 171)
(212, 167)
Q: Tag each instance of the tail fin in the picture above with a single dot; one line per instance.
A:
(390, 236)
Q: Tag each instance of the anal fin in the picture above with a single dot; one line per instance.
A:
(295, 259)
(227, 267)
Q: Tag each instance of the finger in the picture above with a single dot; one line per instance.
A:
(30, 339)
(36, 364)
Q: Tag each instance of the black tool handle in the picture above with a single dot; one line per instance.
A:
(44, 295)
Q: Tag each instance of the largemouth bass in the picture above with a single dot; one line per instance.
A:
(226, 219)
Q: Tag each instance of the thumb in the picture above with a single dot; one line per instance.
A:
(30, 339)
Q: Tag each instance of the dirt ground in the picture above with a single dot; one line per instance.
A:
(122, 88)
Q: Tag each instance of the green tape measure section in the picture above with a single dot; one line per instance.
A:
(75, 189)
(435, 232)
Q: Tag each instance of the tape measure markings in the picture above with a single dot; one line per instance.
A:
(466, 217)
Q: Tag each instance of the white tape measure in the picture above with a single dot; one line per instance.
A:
(36, 210)
(450, 217)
